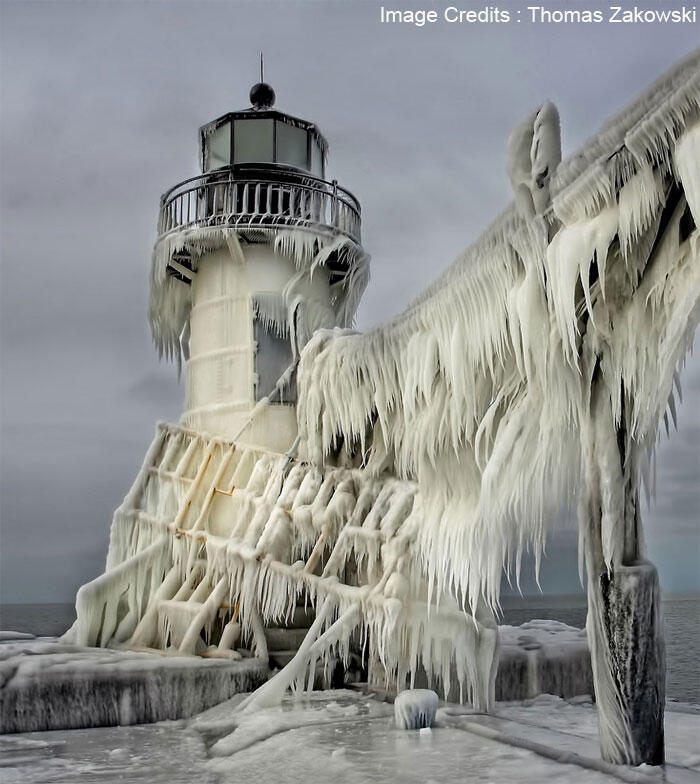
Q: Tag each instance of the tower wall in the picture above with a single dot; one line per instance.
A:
(223, 382)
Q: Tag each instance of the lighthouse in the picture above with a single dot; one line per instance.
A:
(253, 255)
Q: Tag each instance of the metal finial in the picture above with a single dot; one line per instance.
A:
(262, 96)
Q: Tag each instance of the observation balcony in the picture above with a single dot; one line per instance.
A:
(255, 196)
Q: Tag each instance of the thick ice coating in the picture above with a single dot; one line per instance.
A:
(415, 709)
(434, 449)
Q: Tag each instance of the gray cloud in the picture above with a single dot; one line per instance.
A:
(101, 107)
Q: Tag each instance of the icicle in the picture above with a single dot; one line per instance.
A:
(687, 159)
(170, 298)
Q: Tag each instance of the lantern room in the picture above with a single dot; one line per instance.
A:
(262, 135)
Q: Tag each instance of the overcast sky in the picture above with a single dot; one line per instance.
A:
(101, 102)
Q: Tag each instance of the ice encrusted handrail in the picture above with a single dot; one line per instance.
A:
(244, 197)
(312, 221)
(640, 135)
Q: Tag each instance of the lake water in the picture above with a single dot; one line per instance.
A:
(681, 625)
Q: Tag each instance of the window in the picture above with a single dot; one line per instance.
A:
(253, 141)
(291, 145)
(316, 159)
(219, 147)
(272, 358)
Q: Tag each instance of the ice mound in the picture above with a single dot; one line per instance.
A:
(415, 709)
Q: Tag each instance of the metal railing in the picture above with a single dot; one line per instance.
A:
(260, 197)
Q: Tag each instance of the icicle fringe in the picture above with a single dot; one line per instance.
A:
(170, 299)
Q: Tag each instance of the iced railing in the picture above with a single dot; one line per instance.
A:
(242, 197)
(217, 540)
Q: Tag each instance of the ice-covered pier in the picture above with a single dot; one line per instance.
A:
(349, 737)
(48, 684)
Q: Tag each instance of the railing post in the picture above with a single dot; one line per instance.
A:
(334, 205)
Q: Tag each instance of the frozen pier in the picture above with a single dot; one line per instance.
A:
(347, 737)
(97, 687)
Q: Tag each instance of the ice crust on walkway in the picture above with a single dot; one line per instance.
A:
(89, 687)
(340, 736)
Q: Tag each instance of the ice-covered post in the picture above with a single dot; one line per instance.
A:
(624, 625)
(624, 622)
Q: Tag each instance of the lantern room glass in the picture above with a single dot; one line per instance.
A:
(263, 140)
(292, 146)
(219, 147)
(316, 159)
(253, 141)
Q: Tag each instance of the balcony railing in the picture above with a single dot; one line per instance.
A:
(246, 197)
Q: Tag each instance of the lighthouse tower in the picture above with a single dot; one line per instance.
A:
(252, 256)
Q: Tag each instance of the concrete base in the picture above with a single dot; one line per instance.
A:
(543, 657)
(46, 685)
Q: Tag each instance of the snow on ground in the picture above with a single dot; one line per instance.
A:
(363, 745)
(346, 737)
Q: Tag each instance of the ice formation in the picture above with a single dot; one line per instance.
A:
(532, 374)
(415, 709)
(543, 657)
(169, 303)
(534, 152)
(214, 534)
(538, 365)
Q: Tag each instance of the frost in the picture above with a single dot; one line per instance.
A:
(534, 152)
(537, 369)
(210, 524)
(52, 685)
